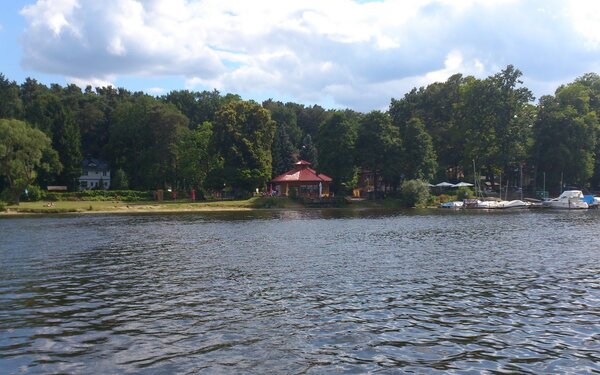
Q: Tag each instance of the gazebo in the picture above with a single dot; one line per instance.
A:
(309, 184)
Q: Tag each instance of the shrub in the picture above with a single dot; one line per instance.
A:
(433, 200)
(445, 198)
(464, 193)
(7, 196)
(415, 193)
(101, 195)
(34, 194)
(2, 206)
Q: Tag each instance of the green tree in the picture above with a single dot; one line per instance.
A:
(415, 193)
(493, 120)
(285, 116)
(419, 155)
(67, 142)
(438, 107)
(309, 152)
(591, 81)
(565, 136)
(23, 151)
(379, 148)
(119, 180)
(243, 136)
(145, 141)
(282, 152)
(308, 118)
(195, 158)
(11, 105)
(336, 143)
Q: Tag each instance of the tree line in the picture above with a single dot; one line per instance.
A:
(209, 141)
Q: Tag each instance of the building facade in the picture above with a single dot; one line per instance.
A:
(96, 174)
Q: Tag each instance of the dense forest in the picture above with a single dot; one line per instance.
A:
(446, 131)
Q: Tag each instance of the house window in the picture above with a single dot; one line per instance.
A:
(85, 173)
(104, 173)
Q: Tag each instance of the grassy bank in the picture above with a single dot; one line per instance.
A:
(84, 206)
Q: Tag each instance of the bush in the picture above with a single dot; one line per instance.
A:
(7, 196)
(415, 193)
(101, 195)
(34, 194)
(443, 198)
(2, 206)
(464, 193)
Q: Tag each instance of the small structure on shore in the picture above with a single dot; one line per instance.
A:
(96, 174)
(305, 180)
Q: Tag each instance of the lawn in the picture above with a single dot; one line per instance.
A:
(147, 206)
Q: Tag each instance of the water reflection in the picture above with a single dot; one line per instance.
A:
(301, 292)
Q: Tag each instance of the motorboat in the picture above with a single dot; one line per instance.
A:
(569, 199)
(513, 204)
(452, 204)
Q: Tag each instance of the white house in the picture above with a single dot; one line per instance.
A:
(96, 174)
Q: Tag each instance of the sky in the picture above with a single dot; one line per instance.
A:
(334, 53)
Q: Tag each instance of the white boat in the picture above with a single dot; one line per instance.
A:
(487, 205)
(569, 199)
(452, 204)
(481, 204)
(513, 204)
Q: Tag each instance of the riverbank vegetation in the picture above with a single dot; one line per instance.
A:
(221, 144)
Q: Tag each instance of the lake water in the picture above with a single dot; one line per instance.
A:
(318, 292)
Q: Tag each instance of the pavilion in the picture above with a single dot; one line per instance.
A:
(307, 182)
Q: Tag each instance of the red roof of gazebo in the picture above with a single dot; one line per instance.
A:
(302, 173)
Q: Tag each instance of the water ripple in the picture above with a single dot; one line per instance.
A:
(301, 292)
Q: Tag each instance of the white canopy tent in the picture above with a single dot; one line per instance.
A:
(462, 184)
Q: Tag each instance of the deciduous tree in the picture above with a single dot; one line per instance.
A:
(23, 152)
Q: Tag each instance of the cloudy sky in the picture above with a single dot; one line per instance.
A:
(336, 53)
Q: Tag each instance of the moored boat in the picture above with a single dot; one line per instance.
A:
(452, 204)
(517, 203)
(569, 199)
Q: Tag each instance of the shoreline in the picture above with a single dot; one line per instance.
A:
(45, 208)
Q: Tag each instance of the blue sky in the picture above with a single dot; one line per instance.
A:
(336, 53)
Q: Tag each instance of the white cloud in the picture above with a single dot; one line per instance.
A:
(156, 90)
(91, 81)
(354, 54)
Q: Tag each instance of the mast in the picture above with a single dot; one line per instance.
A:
(521, 165)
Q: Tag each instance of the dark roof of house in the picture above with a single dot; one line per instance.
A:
(93, 164)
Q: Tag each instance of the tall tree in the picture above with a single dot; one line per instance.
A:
(336, 142)
(195, 158)
(437, 106)
(309, 152)
(308, 118)
(243, 136)
(494, 132)
(285, 117)
(419, 156)
(565, 135)
(11, 105)
(282, 151)
(145, 141)
(23, 151)
(379, 147)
